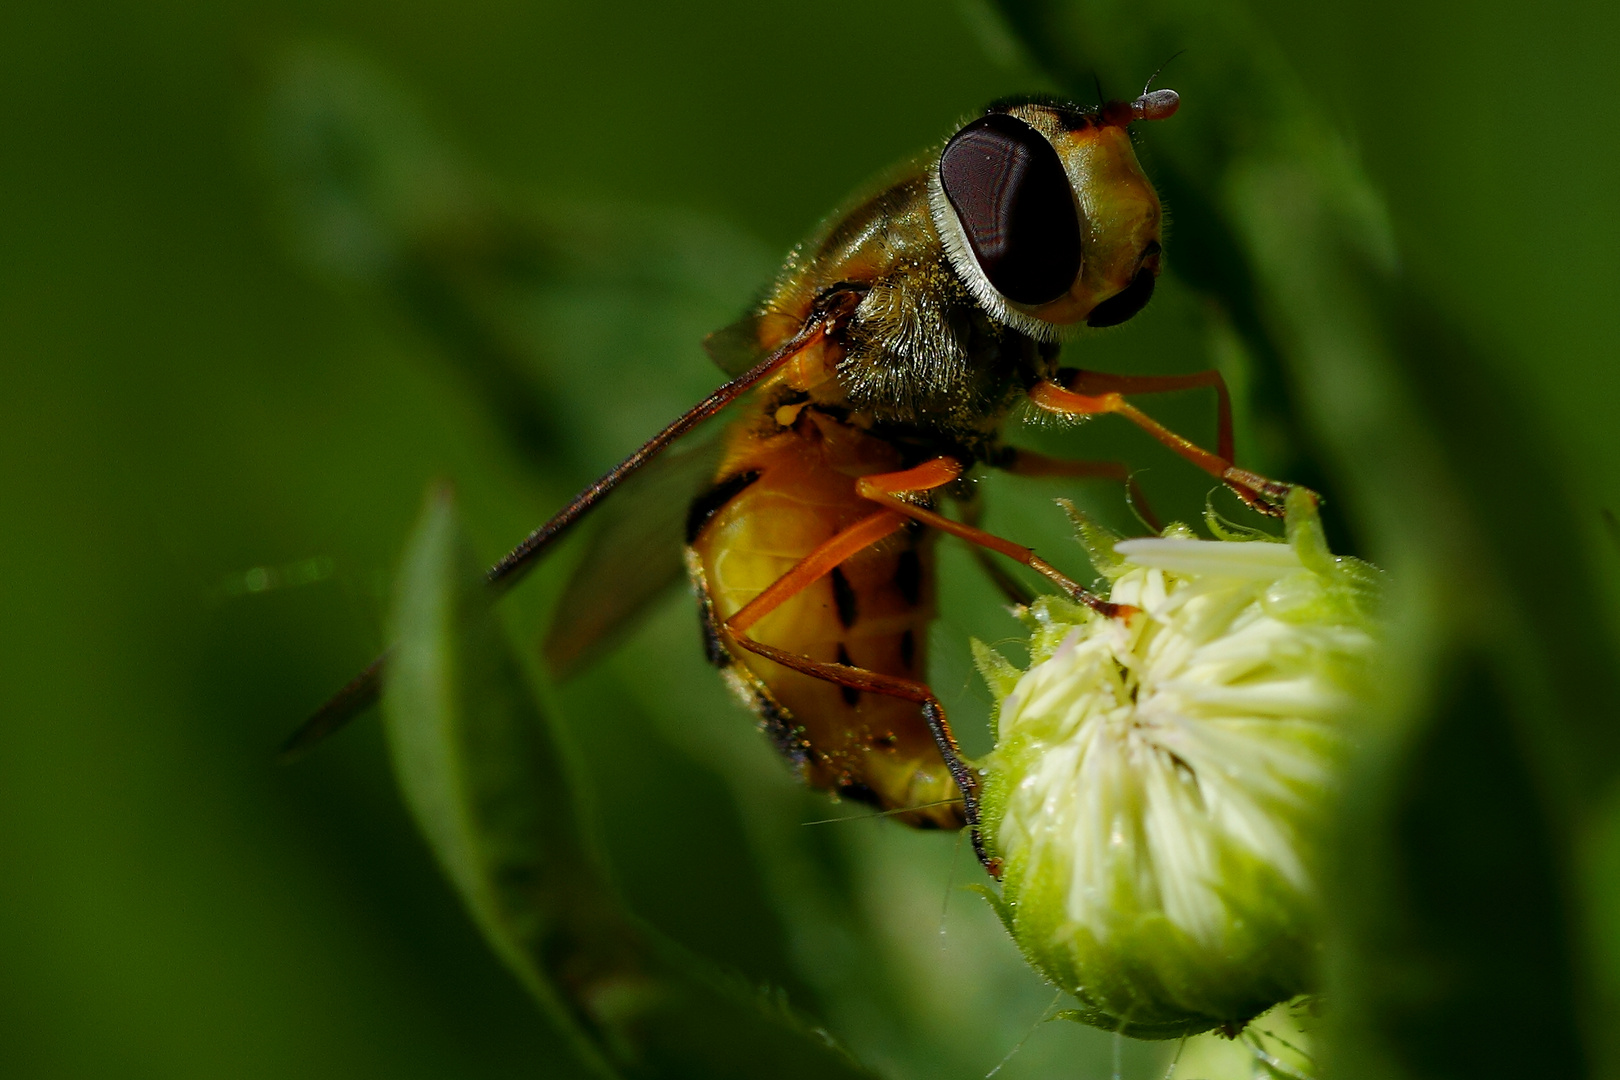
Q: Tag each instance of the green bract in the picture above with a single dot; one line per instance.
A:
(1159, 782)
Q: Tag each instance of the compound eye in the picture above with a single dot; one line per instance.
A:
(1012, 196)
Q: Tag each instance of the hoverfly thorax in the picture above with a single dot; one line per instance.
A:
(1047, 214)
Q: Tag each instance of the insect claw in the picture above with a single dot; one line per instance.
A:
(1106, 608)
(1269, 497)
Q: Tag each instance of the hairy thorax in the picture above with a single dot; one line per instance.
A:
(919, 357)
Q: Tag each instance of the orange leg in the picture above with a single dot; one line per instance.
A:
(1097, 382)
(863, 534)
(1266, 496)
(887, 489)
(814, 566)
(1029, 463)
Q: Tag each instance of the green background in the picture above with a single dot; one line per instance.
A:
(189, 393)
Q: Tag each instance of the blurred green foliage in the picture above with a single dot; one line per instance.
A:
(1394, 227)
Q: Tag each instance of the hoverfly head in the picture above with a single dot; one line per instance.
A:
(1046, 213)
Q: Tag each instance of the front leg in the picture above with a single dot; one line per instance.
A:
(1264, 495)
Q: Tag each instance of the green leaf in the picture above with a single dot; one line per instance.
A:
(480, 771)
(486, 781)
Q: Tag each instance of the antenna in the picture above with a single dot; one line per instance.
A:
(1160, 71)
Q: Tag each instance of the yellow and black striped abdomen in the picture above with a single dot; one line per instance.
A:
(777, 498)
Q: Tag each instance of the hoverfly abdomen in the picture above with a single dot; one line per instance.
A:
(871, 611)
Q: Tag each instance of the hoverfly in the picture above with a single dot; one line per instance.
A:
(874, 376)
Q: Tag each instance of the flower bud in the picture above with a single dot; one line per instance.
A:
(1159, 781)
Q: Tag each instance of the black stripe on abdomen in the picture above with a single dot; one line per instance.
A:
(908, 575)
(708, 504)
(844, 597)
(851, 696)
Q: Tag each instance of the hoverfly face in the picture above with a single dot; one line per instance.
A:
(1047, 215)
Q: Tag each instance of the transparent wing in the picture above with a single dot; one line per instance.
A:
(633, 555)
(736, 348)
(739, 346)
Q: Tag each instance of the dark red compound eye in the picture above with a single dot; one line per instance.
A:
(1012, 196)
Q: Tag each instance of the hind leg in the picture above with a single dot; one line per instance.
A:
(890, 490)
(872, 682)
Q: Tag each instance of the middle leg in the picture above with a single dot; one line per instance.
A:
(1098, 382)
(889, 490)
(1028, 463)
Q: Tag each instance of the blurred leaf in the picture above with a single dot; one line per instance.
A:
(481, 774)
(544, 307)
(372, 195)
(1494, 738)
(484, 778)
